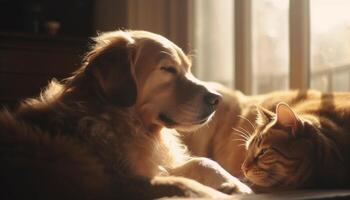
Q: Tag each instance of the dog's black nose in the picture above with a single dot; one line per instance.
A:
(212, 99)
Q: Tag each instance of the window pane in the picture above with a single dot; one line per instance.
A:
(270, 51)
(330, 44)
(340, 81)
(214, 41)
(320, 82)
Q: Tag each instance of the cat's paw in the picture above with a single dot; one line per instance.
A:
(235, 188)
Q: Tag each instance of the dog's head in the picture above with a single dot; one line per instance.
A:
(150, 73)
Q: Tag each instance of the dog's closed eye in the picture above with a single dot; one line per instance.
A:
(169, 69)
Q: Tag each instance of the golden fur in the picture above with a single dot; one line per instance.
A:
(101, 134)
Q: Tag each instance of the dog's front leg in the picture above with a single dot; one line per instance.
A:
(210, 173)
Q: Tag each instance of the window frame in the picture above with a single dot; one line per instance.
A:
(299, 45)
(243, 46)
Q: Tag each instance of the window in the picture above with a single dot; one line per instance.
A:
(289, 44)
(330, 45)
(270, 49)
(214, 41)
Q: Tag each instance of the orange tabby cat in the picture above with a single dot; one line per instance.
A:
(305, 145)
(223, 139)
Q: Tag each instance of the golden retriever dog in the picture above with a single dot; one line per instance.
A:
(107, 132)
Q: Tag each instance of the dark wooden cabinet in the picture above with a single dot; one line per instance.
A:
(75, 17)
(28, 63)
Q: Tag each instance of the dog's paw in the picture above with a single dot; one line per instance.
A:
(233, 188)
(183, 187)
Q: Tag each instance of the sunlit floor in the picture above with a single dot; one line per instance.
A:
(295, 195)
(305, 194)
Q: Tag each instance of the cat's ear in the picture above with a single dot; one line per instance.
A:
(286, 117)
(264, 116)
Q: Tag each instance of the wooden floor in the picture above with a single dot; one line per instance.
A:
(295, 195)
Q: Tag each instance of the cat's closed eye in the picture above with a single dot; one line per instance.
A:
(263, 152)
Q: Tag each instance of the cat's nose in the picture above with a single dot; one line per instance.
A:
(245, 167)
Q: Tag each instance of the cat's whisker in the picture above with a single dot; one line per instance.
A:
(247, 132)
(243, 140)
(241, 131)
(242, 145)
(240, 139)
(242, 134)
(251, 124)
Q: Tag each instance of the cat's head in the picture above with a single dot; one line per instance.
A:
(279, 152)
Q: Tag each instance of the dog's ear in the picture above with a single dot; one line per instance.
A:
(112, 69)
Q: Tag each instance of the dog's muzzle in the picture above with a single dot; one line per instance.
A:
(212, 100)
